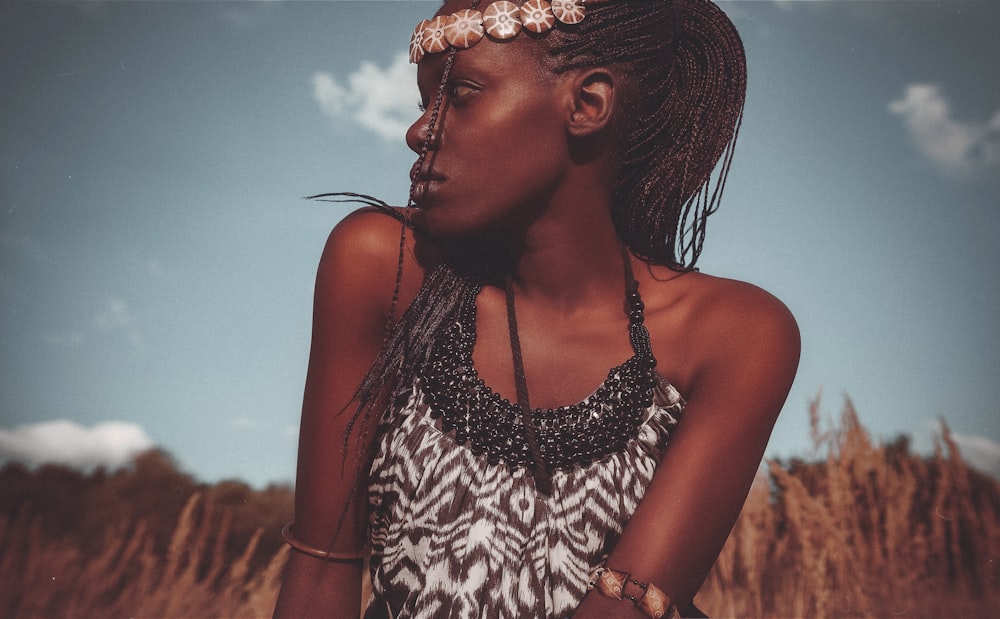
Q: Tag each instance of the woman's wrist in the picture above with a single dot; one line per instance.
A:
(647, 598)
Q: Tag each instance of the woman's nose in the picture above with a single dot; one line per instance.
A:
(420, 132)
(415, 134)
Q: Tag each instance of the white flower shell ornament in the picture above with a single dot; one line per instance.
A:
(500, 21)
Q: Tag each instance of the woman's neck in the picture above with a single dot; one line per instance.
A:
(568, 260)
(564, 252)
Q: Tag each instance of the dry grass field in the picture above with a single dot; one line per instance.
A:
(868, 531)
(864, 530)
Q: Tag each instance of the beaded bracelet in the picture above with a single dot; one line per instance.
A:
(319, 553)
(651, 600)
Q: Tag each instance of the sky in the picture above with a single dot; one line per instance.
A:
(157, 258)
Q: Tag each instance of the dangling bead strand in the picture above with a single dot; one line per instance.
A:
(543, 479)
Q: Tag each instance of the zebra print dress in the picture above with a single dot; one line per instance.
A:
(456, 536)
(458, 529)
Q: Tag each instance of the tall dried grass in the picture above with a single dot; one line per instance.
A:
(43, 577)
(866, 530)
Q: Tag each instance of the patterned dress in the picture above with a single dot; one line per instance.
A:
(458, 528)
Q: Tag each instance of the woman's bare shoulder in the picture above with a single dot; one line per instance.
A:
(726, 301)
(737, 317)
(716, 324)
(749, 340)
(361, 258)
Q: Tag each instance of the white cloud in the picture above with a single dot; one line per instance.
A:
(383, 101)
(958, 149)
(980, 453)
(114, 315)
(110, 444)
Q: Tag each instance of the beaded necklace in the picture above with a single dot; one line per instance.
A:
(575, 435)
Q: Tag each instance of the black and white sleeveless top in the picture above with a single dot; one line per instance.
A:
(458, 529)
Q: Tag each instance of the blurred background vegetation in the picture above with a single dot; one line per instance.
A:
(861, 529)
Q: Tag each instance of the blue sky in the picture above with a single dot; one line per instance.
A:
(156, 257)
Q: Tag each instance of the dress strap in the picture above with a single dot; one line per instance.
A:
(637, 333)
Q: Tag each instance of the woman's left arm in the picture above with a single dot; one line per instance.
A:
(748, 351)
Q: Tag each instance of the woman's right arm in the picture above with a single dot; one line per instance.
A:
(354, 288)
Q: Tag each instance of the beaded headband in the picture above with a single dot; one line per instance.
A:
(501, 21)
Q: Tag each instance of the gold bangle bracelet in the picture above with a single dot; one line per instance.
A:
(318, 553)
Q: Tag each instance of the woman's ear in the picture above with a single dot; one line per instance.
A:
(593, 102)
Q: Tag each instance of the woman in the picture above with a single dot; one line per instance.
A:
(563, 175)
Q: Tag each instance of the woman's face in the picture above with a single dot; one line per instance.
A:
(500, 145)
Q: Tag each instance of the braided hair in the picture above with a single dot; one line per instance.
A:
(685, 82)
(684, 73)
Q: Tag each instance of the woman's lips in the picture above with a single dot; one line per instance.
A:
(422, 184)
(419, 176)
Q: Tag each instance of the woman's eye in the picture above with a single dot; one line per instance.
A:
(458, 91)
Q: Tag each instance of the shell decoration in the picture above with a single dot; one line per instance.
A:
(569, 11)
(502, 20)
(537, 16)
(611, 583)
(464, 28)
(416, 49)
(433, 39)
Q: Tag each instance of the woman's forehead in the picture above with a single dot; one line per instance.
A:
(487, 58)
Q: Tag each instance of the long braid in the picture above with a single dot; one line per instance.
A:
(685, 73)
(407, 342)
(396, 355)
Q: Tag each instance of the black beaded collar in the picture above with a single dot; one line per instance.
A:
(575, 435)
